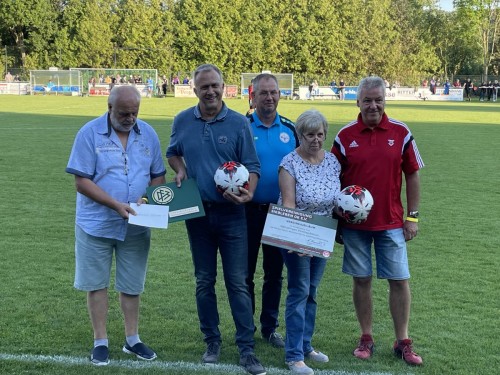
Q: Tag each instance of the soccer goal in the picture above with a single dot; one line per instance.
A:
(285, 82)
(99, 81)
(55, 82)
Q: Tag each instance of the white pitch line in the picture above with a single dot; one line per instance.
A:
(162, 365)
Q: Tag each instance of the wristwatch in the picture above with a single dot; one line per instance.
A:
(413, 214)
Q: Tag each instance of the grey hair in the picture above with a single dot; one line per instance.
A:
(263, 76)
(116, 91)
(311, 121)
(206, 68)
(371, 82)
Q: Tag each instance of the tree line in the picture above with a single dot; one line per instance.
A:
(400, 40)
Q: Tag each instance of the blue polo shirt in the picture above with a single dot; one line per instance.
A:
(206, 144)
(98, 155)
(272, 144)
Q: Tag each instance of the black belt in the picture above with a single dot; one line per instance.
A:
(259, 206)
(209, 204)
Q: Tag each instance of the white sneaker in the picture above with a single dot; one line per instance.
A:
(317, 356)
(300, 368)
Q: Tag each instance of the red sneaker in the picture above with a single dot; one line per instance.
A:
(405, 351)
(365, 347)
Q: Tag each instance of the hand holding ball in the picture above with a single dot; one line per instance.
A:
(230, 176)
(353, 204)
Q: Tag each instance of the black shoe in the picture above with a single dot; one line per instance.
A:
(140, 350)
(252, 365)
(275, 339)
(212, 354)
(100, 355)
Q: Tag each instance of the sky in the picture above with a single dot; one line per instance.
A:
(446, 4)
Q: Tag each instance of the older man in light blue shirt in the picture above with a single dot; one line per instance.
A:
(114, 159)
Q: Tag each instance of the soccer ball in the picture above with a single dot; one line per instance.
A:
(230, 176)
(353, 204)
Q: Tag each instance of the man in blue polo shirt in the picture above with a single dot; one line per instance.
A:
(203, 137)
(274, 137)
(114, 158)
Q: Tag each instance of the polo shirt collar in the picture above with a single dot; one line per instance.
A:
(220, 116)
(257, 121)
(384, 124)
(105, 127)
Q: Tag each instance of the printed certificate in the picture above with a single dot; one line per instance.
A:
(149, 215)
(299, 231)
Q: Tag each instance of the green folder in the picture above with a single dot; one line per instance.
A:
(184, 202)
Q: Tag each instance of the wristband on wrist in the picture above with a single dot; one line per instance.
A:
(412, 219)
(145, 200)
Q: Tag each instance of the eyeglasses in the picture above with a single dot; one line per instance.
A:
(312, 137)
(125, 163)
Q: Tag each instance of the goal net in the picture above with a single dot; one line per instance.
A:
(99, 81)
(56, 82)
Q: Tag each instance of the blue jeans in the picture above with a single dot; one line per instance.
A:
(223, 228)
(390, 253)
(304, 276)
(272, 263)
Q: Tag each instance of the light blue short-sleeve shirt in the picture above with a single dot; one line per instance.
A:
(98, 155)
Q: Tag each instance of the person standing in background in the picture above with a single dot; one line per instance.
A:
(489, 90)
(433, 84)
(274, 137)
(446, 87)
(9, 78)
(341, 89)
(468, 87)
(251, 106)
(150, 86)
(495, 90)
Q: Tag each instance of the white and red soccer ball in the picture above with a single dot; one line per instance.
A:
(353, 204)
(230, 176)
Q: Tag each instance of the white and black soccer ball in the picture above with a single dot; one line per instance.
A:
(354, 204)
(230, 176)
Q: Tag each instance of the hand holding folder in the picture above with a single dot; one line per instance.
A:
(184, 202)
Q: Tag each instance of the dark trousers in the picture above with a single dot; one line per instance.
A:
(272, 265)
(222, 231)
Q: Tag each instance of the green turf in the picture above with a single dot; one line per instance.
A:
(454, 261)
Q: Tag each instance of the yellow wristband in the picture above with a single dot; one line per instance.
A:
(412, 219)
(145, 199)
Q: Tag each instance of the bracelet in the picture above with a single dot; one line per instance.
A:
(145, 199)
(412, 219)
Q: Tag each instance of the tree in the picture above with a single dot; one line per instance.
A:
(313, 39)
(85, 36)
(482, 17)
(399, 40)
(144, 34)
(415, 47)
(31, 26)
(206, 32)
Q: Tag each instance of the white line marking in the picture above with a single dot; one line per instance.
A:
(162, 365)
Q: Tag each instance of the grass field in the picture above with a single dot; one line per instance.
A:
(455, 261)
